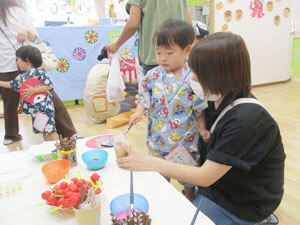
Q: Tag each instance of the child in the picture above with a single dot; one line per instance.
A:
(96, 105)
(41, 109)
(167, 94)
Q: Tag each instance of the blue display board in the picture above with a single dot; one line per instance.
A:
(77, 49)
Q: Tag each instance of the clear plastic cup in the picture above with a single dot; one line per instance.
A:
(120, 152)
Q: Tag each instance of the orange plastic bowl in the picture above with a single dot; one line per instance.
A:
(56, 170)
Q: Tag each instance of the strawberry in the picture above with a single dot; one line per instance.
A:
(98, 191)
(46, 194)
(64, 185)
(95, 177)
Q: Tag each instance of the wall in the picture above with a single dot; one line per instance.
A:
(119, 8)
(269, 45)
(78, 11)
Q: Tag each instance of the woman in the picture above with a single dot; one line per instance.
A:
(241, 177)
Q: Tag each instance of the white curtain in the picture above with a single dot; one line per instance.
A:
(100, 8)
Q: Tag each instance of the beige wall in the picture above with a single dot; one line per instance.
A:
(269, 45)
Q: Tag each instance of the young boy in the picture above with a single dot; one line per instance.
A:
(167, 95)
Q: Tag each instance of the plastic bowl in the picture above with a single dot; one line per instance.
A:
(95, 159)
(56, 170)
(122, 204)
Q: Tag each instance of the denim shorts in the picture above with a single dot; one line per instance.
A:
(216, 213)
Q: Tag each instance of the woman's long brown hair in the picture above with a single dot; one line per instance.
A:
(4, 6)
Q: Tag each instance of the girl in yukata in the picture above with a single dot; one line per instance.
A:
(173, 108)
(34, 86)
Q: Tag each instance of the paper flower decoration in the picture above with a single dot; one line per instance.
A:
(91, 37)
(126, 54)
(62, 65)
(79, 54)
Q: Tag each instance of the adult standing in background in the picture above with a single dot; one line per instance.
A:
(16, 28)
(145, 16)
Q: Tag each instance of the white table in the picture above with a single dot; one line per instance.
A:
(167, 206)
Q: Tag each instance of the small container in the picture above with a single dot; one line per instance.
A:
(69, 155)
(95, 159)
(56, 170)
(121, 204)
(88, 216)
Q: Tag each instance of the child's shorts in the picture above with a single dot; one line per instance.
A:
(162, 155)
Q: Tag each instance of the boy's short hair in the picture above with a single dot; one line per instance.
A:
(173, 31)
(31, 53)
(221, 63)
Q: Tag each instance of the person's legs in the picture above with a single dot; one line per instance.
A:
(189, 192)
(146, 68)
(50, 137)
(216, 213)
(11, 103)
(124, 107)
(221, 216)
(63, 121)
(131, 101)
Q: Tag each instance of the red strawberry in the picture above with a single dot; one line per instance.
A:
(52, 200)
(95, 177)
(60, 202)
(68, 194)
(98, 191)
(74, 201)
(73, 187)
(46, 194)
(75, 180)
(64, 185)
(56, 187)
(66, 204)
(60, 192)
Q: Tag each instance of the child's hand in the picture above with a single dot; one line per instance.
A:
(138, 97)
(134, 118)
(205, 134)
(29, 91)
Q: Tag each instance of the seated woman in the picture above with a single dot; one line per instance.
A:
(97, 107)
(240, 180)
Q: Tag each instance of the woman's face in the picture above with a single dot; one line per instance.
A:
(198, 90)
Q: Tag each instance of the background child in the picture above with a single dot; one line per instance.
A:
(96, 105)
(41, 109)
(167, 94)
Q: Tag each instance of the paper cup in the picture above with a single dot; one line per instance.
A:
(88, 216)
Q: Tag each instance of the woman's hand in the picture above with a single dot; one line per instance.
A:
(112, 48)
(22, 35)
(135, 161)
